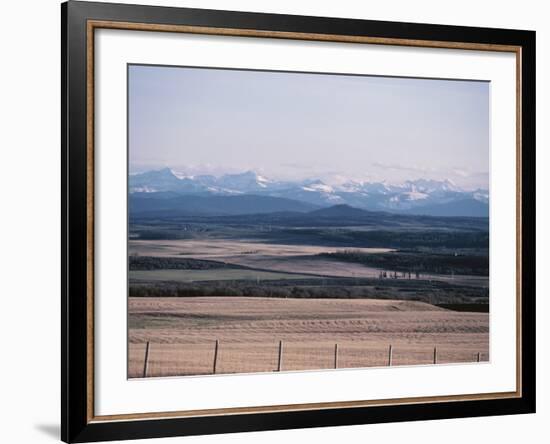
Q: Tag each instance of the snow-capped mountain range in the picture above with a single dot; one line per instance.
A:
(423, 196)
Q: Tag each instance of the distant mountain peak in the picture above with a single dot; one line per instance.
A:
(431, 185)
(164, 171)
(341, 207)
(339, 210)
(243, 181)
(317, 186)
(411, 196)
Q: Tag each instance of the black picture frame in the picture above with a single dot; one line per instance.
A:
(76, 329)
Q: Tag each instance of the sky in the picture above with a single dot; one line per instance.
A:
(291, 126)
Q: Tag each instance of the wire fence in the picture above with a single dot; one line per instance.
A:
(216, 357)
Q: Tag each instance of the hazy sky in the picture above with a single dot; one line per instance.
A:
(295, 125)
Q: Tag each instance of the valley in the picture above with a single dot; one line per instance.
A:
(254, 270)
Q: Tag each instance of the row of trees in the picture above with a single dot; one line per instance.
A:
(403, 275)
(416, 262)
(433, 295)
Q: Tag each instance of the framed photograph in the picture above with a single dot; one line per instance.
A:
(275, 221)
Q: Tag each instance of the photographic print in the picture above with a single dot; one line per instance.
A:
(283, 221)
(274, 222)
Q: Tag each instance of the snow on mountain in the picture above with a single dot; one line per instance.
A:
(378, 196)
(351, 186)
(430, 186)
(317, 185)
(382, 188)
(248, 180)
(143, 189)
(154, 181)
(481, 195)
(415, 195)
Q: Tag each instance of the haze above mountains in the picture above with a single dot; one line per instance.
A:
(164, 192)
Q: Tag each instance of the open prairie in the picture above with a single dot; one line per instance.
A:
(304, 297)
(284, 258)
(182, 334)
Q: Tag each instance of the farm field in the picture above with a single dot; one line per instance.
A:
(210, 275)
(212, 248)
(182, 334)
(277, 257)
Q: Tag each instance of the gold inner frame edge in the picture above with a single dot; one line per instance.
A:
(105, 24)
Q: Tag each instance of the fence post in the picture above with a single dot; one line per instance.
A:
(478, 357)
(146, 360)
(390, 356)
(335, 355)
(280, 364)
(435, 355)
(217, 344)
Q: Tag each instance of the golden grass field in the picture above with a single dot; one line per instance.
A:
(182, 334)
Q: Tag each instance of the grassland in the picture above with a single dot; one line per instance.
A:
(251, 281)
(209, 275)
(304, 259)
(183, 331)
